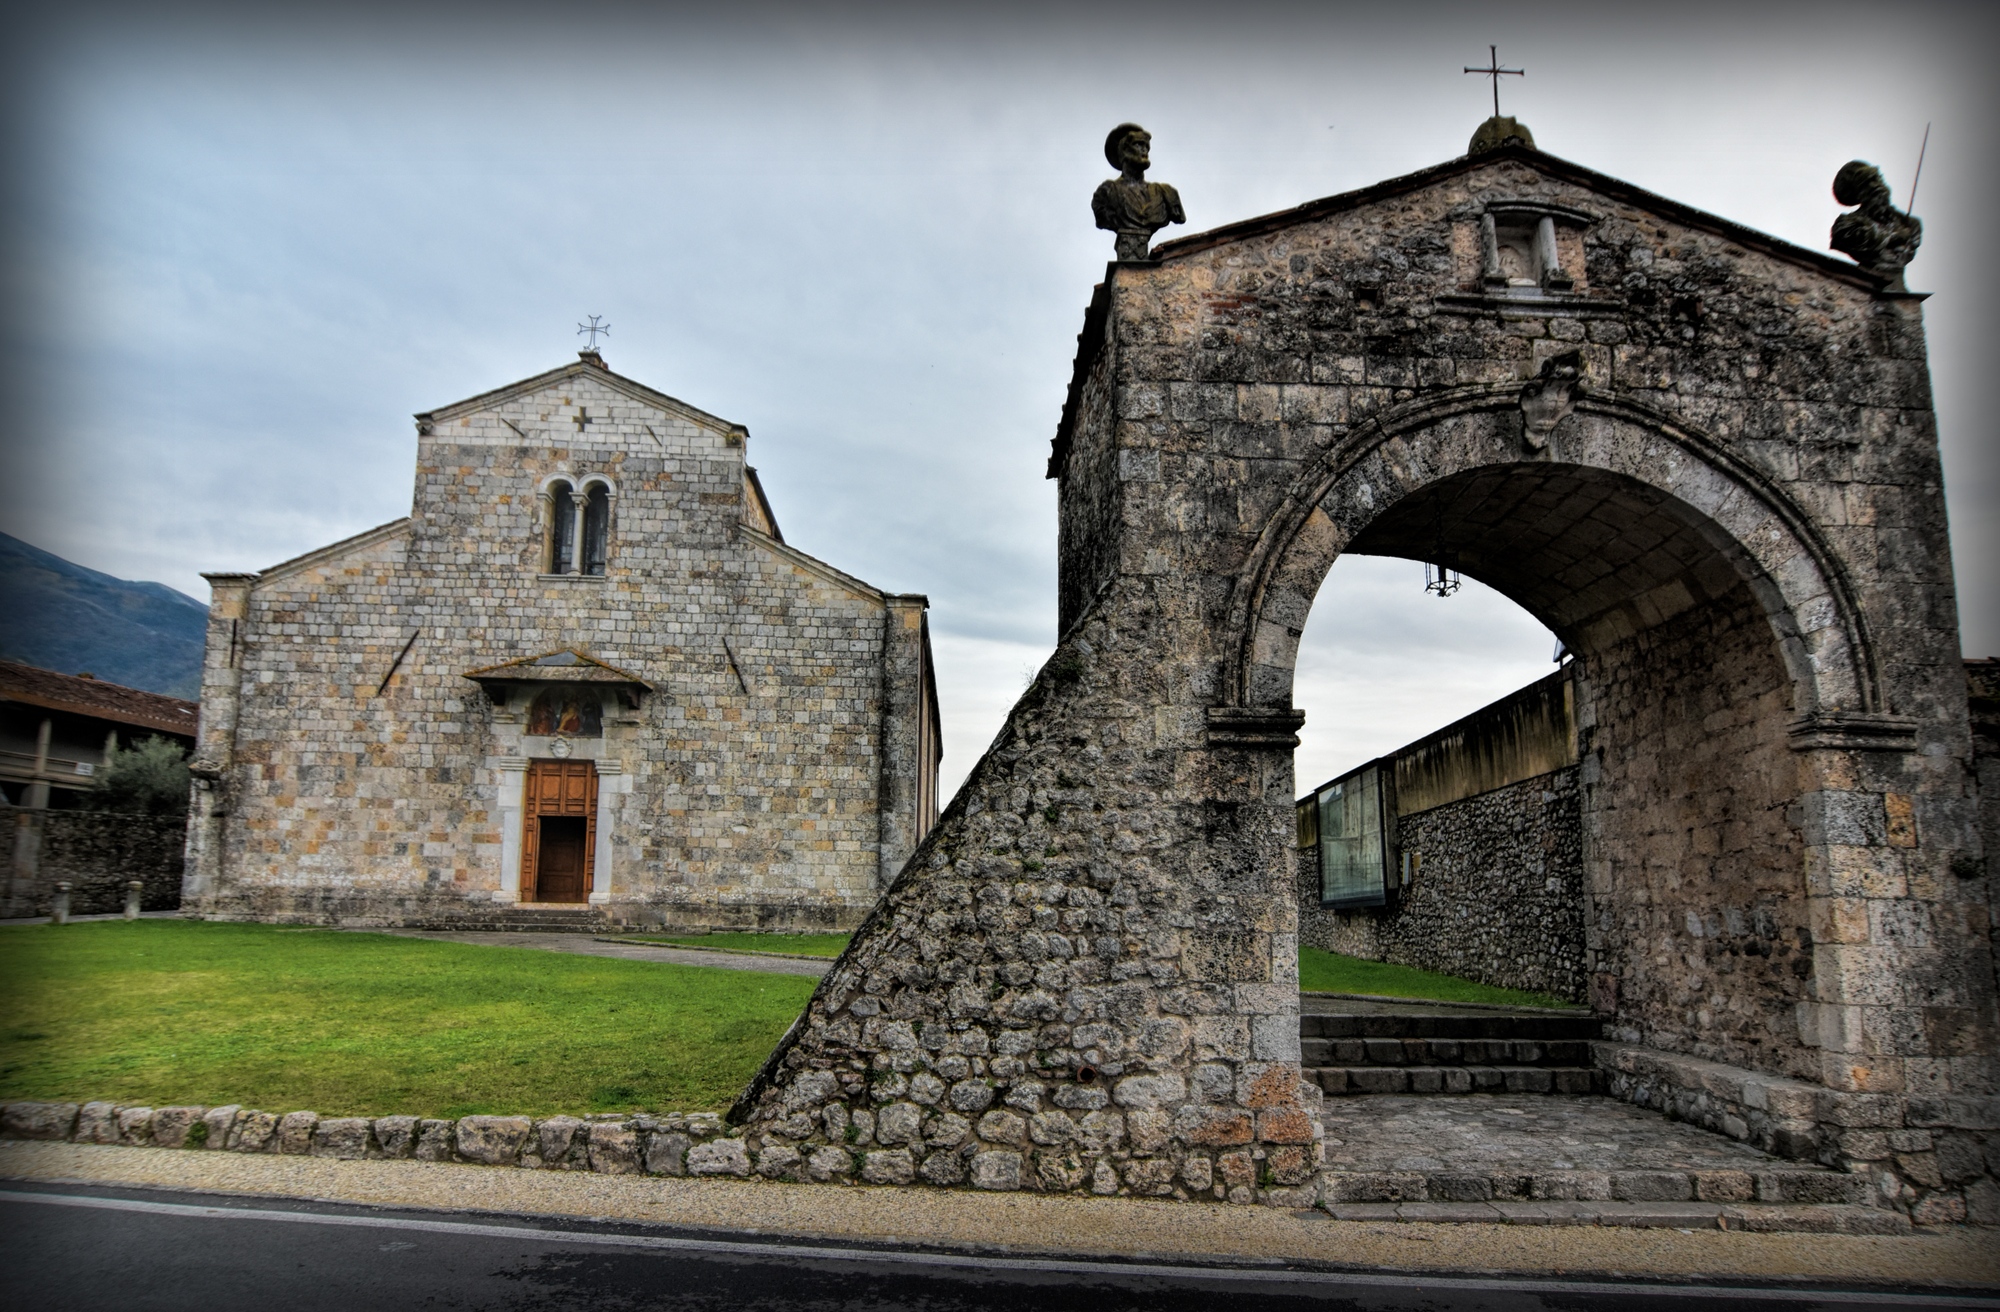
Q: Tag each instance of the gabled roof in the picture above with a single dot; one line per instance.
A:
(1091, 340)
(563, 665)
(318, 555)
(589, 366)
(1602, 183)
(81, 695)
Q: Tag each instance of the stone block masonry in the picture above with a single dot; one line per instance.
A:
(1704, 458)
(760, 744)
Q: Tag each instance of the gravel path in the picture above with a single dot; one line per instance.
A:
(590, 946)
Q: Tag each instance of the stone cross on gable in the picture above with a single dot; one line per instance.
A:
(1494, 71)
(581, 418)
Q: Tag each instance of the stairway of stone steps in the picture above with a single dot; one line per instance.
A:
(1378, 1046)
(527, 919)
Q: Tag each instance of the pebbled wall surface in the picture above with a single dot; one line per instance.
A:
(1496, 892)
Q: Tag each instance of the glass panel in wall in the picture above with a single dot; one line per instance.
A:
(1353, 846)
(596, 529)
(562, 526)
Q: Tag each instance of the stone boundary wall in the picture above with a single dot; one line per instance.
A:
(875, 1147)
(1494, 893)
(702, 1144)
(97, 853)
(1936, 1158)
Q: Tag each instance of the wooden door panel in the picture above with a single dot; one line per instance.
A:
(566, 872)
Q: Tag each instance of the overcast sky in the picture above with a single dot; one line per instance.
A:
(244, 251)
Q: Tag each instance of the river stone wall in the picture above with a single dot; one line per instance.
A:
(1495, 892)
(97, 854)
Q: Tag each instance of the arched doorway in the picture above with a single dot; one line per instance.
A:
(1694, 843)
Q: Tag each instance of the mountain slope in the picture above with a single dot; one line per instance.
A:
(63, 617)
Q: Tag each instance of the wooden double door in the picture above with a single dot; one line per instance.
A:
(559, 849)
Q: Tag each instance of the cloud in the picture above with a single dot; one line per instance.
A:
(251, 245)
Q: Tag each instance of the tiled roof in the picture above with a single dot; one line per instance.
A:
(94, 697)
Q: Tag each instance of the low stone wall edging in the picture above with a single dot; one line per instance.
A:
(1935, 1158)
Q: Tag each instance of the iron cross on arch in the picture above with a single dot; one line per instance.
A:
(1494, 71)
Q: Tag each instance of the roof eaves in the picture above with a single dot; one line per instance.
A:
(1687, 215)
(1088, 343)
(618, 382)
(815, 565)
(365, 538)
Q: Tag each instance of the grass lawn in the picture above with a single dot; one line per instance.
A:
(805, 945)
(162, 1012)
(1329, 972)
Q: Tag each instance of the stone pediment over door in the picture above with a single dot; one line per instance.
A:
(563, 665)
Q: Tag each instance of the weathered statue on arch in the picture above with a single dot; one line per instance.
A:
(1129, 205)
(1881, 238)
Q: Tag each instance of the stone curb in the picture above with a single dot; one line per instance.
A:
(689, 1144)
(1825, 1218)
(1708, 1188)
(1446, 1006)
(727, 952)
(700, 1144)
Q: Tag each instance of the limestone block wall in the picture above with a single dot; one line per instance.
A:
(1698, 904)
(1495, 892)
(353, 773)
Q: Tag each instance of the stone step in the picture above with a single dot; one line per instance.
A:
(1340, 1081)
(1756, 1218)
(1448, 1025)
(1446, 1052)
(527, 922)
(1789, 1185)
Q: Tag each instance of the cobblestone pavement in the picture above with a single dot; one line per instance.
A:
(1520, 1133)
(588, 946)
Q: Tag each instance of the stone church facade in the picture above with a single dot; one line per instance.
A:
(586, 680)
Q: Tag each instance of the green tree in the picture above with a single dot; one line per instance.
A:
(148, 778)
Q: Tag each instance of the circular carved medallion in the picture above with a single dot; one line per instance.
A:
(559, 748)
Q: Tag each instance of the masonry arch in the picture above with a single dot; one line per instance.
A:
(1708, 627)
(1714, 506)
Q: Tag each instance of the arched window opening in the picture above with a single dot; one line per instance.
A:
(596, 528)
(567, 711)
(560, 551)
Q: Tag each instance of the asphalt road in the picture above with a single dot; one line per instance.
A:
(78, 1248)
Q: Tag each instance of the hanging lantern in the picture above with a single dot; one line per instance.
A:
(1441, 575)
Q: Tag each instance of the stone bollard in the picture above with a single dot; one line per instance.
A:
(59, 904)
(133, 889)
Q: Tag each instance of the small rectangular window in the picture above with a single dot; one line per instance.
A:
(1355, 860)
(596, 529)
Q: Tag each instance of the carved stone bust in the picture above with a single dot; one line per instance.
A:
(1881, 238)
(1129, 205)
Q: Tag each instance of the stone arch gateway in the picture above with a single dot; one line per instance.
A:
(1706, 458)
